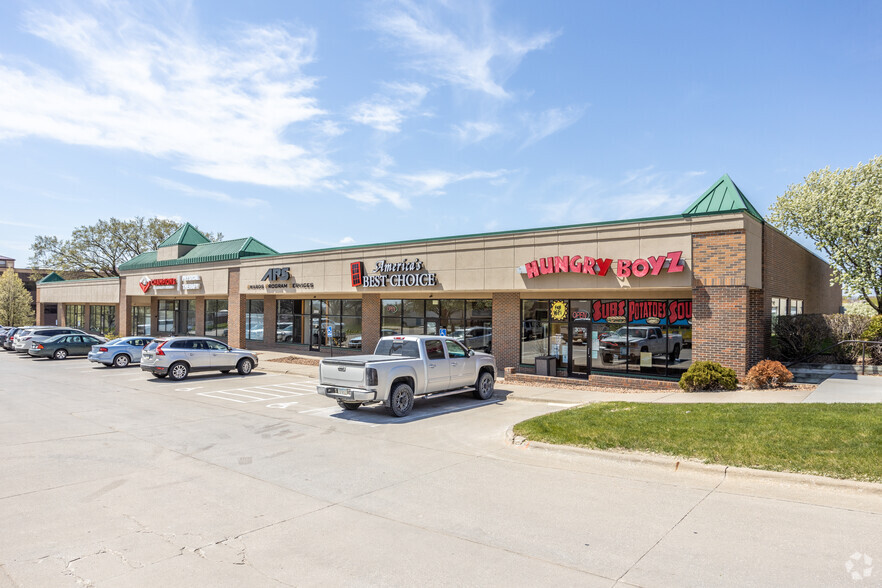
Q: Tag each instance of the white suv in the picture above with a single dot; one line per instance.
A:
(176, 357)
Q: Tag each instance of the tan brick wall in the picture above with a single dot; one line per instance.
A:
(235, 312)
(124, 311)
(506, 329)
(524, 375)
(370, 322)
(200, 316)
(269, 319)
(39, 317)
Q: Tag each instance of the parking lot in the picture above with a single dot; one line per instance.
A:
(112, 477)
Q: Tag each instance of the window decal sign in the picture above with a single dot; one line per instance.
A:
(559, 310)
(669, 263)
(647, 312)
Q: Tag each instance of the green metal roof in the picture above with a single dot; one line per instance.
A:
(723, 196)
(204, 253)
(185, 235)
(53, 277)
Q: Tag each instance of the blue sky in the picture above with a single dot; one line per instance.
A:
(316, 124)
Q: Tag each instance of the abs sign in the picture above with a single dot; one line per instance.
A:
(625, 268)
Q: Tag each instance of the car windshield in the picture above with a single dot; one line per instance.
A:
(458, 334)
(398, 347)
(153, 345)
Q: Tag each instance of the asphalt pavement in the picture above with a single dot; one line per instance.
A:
(113, 478)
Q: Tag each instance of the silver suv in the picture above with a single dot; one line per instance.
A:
(176, 357)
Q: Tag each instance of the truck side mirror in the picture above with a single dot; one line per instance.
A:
(471, 352)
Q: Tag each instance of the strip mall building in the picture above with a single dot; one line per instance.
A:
(635, 299)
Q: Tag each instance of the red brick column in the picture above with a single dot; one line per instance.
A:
(506, 330)
(370, 322)
(269, 320)
(235, 312)
(721, 300)
(123, 311)
(200, 316)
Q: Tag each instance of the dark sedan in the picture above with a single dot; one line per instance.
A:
(63, 346)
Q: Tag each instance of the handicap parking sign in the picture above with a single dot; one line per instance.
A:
(443, 332)
(330, 331)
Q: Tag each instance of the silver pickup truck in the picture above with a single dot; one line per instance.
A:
(404, 366)
(630, 342)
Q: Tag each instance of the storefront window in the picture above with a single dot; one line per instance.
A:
(652, 337)
(216, 318)
(102, 319)
(74, 316)
(534, 330)
(345, 329)
(254, 320)
(470, 321)
(289, 321)
(176, 317)
(140, 320)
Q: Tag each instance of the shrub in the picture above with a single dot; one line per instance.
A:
(802, 335)
(873, 332)
(768, 374)
(708, 375)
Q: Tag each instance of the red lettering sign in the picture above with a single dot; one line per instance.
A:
(625, 268)
(600, 310)
(679, 310)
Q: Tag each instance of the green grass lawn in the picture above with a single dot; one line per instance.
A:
(836, 440)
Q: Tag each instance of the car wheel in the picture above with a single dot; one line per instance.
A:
(121, 360)
(178, 371)
(675, 354)
(244, 366)
(484, 386)
(349, 405)
(401, 400)
(60, 354)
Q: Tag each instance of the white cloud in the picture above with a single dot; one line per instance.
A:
(217, 109)
(387, 111)
(208, 194)
(549, 122)
(476, 131)
(476, 57)
(347, 241)
(398, 189)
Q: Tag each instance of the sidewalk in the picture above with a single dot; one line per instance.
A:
(573, 397)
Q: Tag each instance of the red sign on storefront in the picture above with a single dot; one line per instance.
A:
(671, 263)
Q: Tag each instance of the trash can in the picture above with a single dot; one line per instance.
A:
(546, 365)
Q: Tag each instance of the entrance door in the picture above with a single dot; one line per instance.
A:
(580, 341)
(315, 328)
(185, 317)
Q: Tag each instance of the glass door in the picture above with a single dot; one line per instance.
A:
(315, 330)
(580, 341)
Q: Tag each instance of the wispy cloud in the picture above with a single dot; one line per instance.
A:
(148, 83)
(21, 225)
(476, 131)
(473, 55)
(549, 122)
(208, 194)
(399, 189)
(388, 110)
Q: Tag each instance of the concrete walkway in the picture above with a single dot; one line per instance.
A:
(837, 389)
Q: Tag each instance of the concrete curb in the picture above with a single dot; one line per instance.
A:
(671, 465)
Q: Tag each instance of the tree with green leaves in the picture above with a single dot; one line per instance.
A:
(15, 301)
(101, 248)
(841, 211)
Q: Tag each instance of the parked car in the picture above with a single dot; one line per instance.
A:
(37, 334)
(63, 346)
(119, 352)
(475, 337)
(176, 357)
(405, 366)
(630, 342)
(17, 344)
(7, 335)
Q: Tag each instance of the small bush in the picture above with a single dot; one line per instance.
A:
(768, 374)
(708, 375)
(873, 332)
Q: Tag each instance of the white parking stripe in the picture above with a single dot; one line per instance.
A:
(257, 393)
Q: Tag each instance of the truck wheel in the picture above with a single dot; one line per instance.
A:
(606, 358)
(675, 354)
(484, 386)
(401, 400)
(349, 405)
